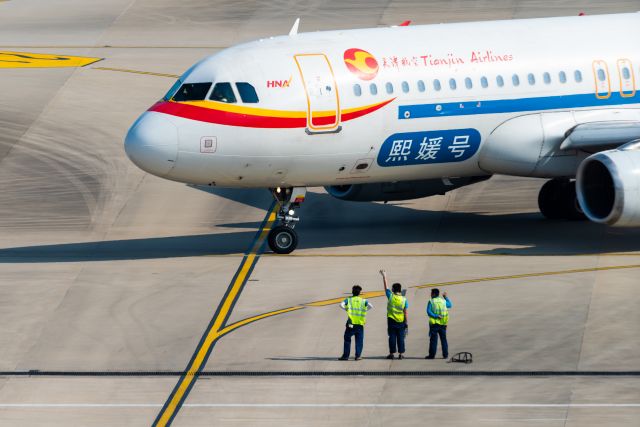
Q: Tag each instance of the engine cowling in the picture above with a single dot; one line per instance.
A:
(402, 190)
(608, 186)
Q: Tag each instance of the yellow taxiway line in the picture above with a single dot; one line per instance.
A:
(216, 326)
(147, 73)
(10, 59)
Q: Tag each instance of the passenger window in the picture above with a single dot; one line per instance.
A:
(452, 84)
(357, 90)
(499, 81)
(626, 74)
(601, 75)
(421, 86)
(222, 92)
(173, 90)
(389, 87)
(468, 83)
(532, 79)
(484, 82)
(515, 80)
(578, 76)
(192, 92)
(373, 89)
(562, 76)
(436, 85)
(405, 87)
(247, 93)
(547, 78)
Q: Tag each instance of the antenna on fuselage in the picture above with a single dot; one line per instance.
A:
(294, 29)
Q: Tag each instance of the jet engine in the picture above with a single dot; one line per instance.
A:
(608, 186)
(402, 190)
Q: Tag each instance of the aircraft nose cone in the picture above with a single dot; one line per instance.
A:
(152, 144)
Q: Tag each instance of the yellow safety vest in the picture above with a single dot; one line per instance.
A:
(357, 310)
(395, 307)
(439, 307)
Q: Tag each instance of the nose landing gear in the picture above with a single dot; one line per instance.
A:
(282, 238)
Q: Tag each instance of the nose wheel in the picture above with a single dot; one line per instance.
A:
(282, 238)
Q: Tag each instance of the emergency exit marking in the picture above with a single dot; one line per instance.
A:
(208, 144)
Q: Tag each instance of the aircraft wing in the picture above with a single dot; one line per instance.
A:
(596, 136)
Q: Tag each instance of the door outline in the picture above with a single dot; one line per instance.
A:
(630, 93)
(311, 128)
(603, 87)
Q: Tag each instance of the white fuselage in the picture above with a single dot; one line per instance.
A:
(394, 104)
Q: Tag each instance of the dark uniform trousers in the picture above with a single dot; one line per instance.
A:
(434, 332)
(358, 332)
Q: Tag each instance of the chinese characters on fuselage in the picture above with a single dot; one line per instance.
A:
(414, 148)
(449, 60)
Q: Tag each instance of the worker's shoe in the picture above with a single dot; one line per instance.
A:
(401, 356)
(358, 358)
(343, 358)
(430, 357)
(390, 357)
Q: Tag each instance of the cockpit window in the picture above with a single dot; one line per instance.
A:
(223, 92)
(247, 93)
(192, 92)
(173, 90)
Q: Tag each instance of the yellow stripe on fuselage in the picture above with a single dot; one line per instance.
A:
(240, 109)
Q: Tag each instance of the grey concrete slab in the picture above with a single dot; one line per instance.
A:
(60, 22)
(128, 315)
(103, 267)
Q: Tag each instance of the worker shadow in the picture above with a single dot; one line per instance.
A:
(396, 358)
(333, 359)
(330, 223)
(304, 359)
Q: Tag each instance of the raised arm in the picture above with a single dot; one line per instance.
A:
(448, 301)
(384, 280)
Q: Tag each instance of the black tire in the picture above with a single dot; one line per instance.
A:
(552, 199)
(283, 239)
(572, 209)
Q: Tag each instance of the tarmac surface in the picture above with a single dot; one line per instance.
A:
(104, 268)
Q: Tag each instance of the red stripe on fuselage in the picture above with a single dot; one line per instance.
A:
(346, 116)
(210, 115)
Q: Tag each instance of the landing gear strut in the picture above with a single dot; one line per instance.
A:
(558, 200)
(282, 238)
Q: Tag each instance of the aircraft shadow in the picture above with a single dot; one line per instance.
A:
(328, 222)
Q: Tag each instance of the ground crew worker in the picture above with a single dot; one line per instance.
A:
(438, 312)
(356, 308)
(396, 317)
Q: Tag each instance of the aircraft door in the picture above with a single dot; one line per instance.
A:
(601, 76)
(323, 102)
(627, 78)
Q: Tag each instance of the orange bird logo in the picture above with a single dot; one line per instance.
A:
(361, 63)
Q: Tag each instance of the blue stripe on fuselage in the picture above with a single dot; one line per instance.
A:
(497, 106)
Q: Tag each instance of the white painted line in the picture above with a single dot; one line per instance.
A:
(325, 405)
(525, 420)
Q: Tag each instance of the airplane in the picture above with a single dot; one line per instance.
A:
(406, 112)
